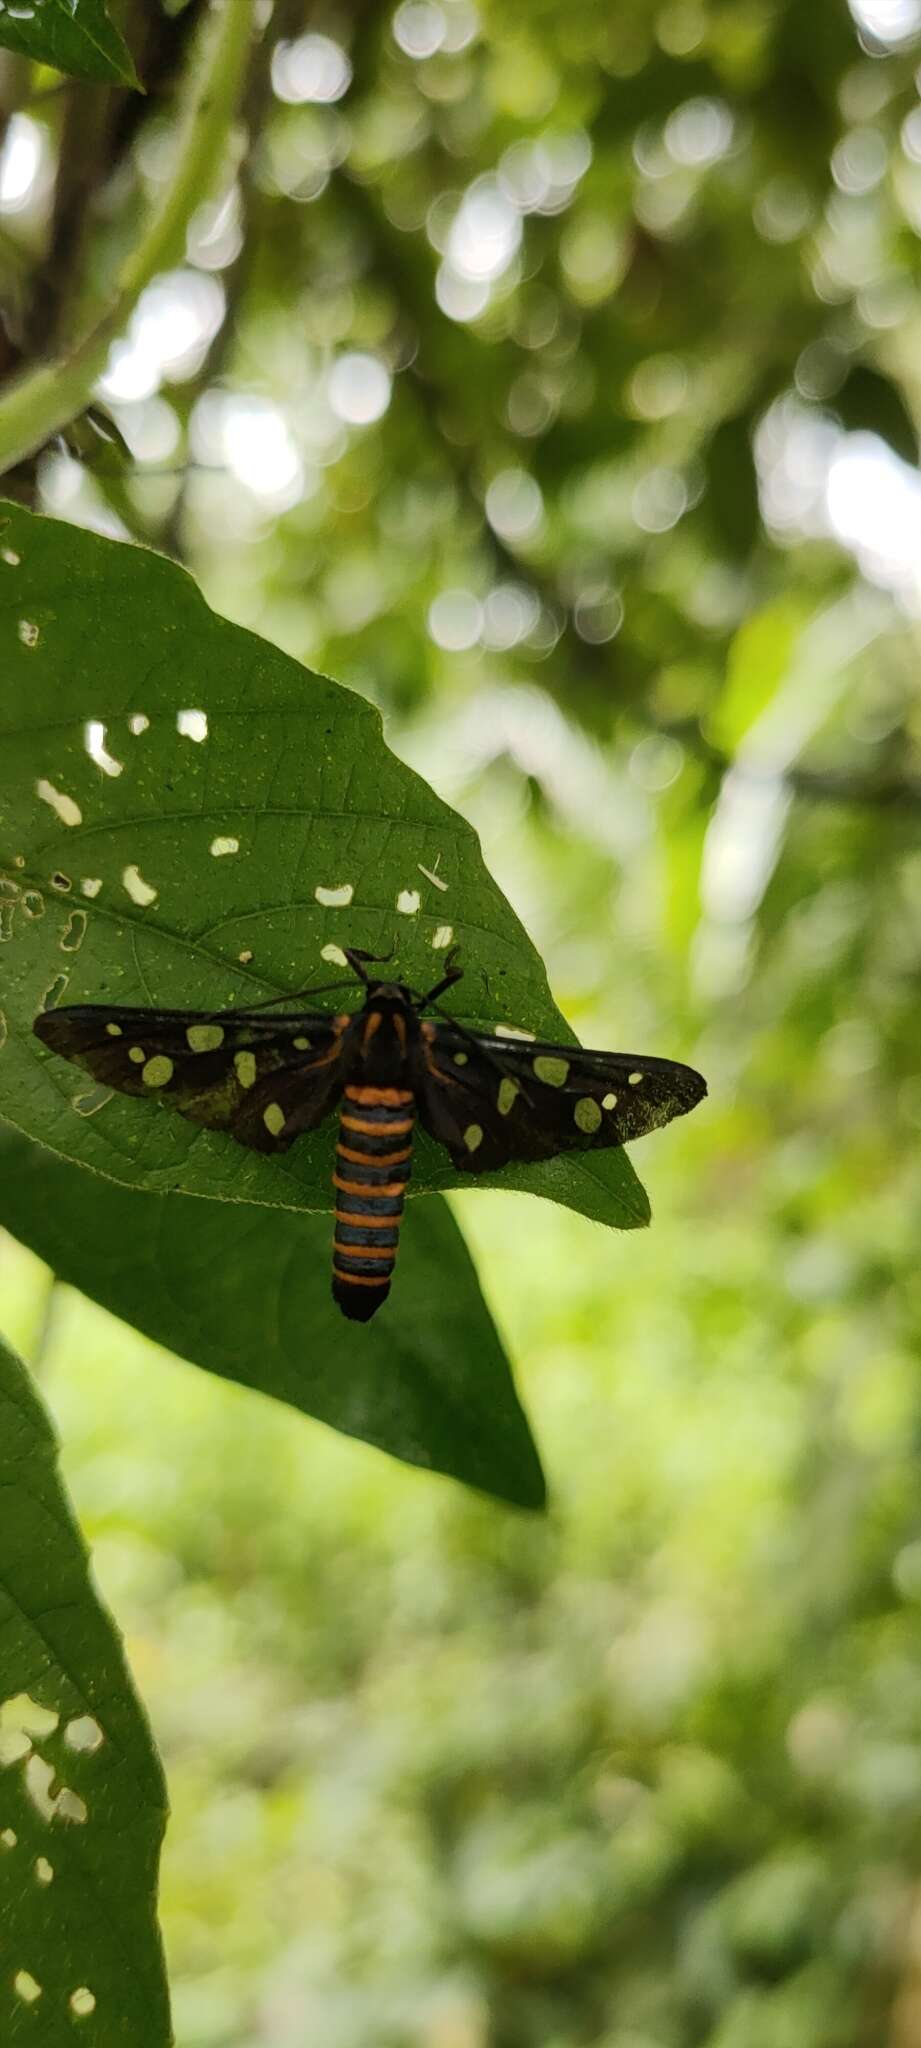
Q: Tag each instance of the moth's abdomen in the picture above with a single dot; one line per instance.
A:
(373, 1164)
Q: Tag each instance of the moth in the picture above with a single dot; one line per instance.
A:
(266, 1079)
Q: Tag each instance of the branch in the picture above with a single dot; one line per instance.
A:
(42, 401)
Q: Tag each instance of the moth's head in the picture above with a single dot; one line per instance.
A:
(391, 994)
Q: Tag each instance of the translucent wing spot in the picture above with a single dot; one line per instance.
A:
(204, 1037)
(302, 1044)
(508, 1091)
(157, 1071)
(274, 1119)
(334, 955)
(442, 937)
(82, 2002)
(335, 897)
(137, 723)
(95, 744)
(431, 876)
(473, 1136)
(29, 633)
(511, 1031)
(219, 847)
(114, 1030)
(137, 1054)
(10, 556)
(634, 1080)
(44, 1871)
(609, 1101)
(245, 1068)
(555, 1072)
(63, 806)
(192, 725)
(246, 956)
(460, 1058)
(587, 1113)
(33, 903)
(61, 881)
(84, 1733)
(142, 893)
(74, 932)
(26, 1987)
(408, 902)
(91, 885)
(8, 1838)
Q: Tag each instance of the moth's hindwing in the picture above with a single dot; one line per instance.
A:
(264, 1080)
(492, 1101)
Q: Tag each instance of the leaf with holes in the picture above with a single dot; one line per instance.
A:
(195, 821)
(82, 1802)
(245, 1292)
(73, 36)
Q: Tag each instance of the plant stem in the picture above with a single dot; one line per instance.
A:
(42, 400)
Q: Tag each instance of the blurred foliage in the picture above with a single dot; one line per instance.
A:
(625, 545)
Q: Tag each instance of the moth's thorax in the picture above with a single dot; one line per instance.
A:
(387, 1030)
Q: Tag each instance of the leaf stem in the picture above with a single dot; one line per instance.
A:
(43, 399)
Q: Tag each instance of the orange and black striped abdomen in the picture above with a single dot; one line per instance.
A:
(373, 1165)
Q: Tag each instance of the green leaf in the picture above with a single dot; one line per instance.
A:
(246, 1293)
(74, 36)
(82, 1807)
(196, 872)
(759, 661)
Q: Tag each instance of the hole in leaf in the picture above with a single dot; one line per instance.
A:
(62, 882)
(140, 892)
(3, 1029)
(95, 743)
(21, 1712)
(137, 723)
(26, 1987)
(62, 1804)
(9, 890)
(82, 2002)
(9, 1838)
(221, 846)
(91, 885)
(335, 898)
(70, 1806)
(409, 901)
(6, 922)
(33, 903)
(63, 806)
(44, 1871)
(74, 932)
(443, 936)
(192, 725)
(511, 1031)
(10, 556)
(84, 1734)
(95, 1098)
(29, 632)
(334, 955)
(54, 991)
(431, 876)
(246, 956)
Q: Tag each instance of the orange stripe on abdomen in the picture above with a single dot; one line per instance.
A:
(369, 1196)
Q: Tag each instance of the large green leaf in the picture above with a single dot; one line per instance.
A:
(74, 36)
(82, 1802)
(180, 803)
(245, 1292)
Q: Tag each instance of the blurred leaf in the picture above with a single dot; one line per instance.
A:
(731, 500)
(186, 863)
(428, 1380)
(759, 660)
(73, 36)
(84, 1805)
(869, 403)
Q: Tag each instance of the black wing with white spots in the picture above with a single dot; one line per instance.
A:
(491, 1101)
(264, 1080)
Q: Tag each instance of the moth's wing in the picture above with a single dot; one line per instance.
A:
(490, 1101)
(264, 1080)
